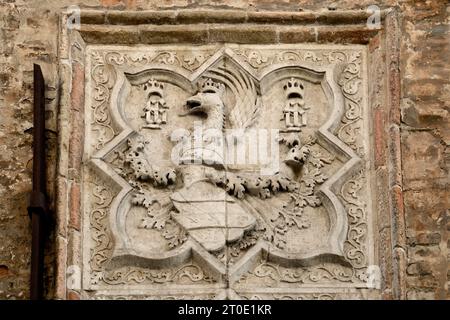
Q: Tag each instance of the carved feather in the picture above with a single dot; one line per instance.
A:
(245, 90)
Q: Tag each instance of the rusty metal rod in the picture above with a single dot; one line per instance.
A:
(38, 208)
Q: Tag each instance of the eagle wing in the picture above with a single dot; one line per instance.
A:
(246, 92)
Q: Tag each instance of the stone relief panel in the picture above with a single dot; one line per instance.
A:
(227, 171)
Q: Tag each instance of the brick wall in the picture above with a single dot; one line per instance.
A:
(425, 145)
(29, 34)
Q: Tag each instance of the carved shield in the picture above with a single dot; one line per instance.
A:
(210, 215)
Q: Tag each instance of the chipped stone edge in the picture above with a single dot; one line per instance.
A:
(195, 16)
(394, 160)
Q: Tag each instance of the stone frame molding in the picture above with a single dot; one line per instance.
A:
(229, 26)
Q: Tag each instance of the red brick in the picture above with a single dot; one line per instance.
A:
(77, 93)
(398, 211)
(4, 271)
(74, 206)
(77, 120)
(395, 156)
(72, 295)
(380, 139)
(422, 157)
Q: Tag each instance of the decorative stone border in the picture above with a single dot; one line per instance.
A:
(205, 26)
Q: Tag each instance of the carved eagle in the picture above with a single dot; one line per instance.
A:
(245, 89)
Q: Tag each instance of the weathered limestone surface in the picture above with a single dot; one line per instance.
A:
(421, 132)
(212, 212)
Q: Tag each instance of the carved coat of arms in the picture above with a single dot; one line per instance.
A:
(231, 158)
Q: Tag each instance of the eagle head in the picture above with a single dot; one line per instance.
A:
(204, 102)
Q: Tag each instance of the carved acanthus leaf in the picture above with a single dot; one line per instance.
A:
(174, 234)
(159, 207)
(263, 186)
(137, 158)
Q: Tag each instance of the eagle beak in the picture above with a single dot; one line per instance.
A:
(193, 104)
